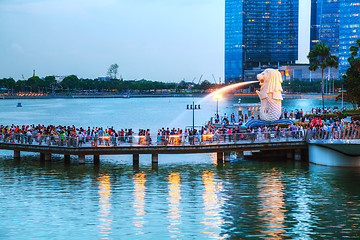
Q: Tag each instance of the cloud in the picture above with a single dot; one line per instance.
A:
(17, 48)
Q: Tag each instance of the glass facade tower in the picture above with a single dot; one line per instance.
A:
(325, 24)
(258, 33)
(349, 31)
(336, 23)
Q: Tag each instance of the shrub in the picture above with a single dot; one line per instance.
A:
(285, 125)
(350, 112)
(322, 116)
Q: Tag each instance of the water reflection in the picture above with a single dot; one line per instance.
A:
(174, 203)
(139, 202)
(302, 210)
(212, 205)
(104, 205)
(271, 206)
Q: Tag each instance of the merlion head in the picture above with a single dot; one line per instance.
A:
(270, 82)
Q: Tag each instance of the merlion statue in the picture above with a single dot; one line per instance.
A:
(270, 94)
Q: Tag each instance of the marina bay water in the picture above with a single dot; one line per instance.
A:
(184, 197)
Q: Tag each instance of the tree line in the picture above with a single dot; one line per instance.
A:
(73, 83)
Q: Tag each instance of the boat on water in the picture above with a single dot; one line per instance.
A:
(19, 105)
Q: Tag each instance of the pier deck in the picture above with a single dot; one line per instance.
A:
(223, 145)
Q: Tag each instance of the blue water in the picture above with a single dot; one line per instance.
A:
(184, 197)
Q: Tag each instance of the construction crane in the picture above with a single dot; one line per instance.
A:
(214, 78)
(200, 78)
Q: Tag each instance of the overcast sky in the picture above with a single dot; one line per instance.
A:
(164, 40)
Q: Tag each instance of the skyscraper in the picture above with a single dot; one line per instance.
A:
(336, 23)
(325, 24)
(257, 33)
(349, 31)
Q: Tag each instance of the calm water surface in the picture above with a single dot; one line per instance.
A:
(184, 197)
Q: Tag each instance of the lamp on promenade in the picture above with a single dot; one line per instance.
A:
(193, 107)
(342, 98)
(217, 97)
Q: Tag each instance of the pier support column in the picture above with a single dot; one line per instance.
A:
(154, 158)
(227, 156)
(135, 159)
(96, 159)
(16, 154)
(297, 154)
(239, 154)
(155, 166)
(220, 157)
(67, 159)
(47, 156)
(289, 154)
(42, 157)
(81, 159)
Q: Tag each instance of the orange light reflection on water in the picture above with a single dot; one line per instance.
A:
(212, 204)
(105, 206)
(271, 206)
(139, 202)
(174, 198)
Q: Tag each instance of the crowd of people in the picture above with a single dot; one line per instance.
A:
(98, 136)
(220, 131)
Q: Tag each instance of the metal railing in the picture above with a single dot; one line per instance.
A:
(334, 134)
(152, 140)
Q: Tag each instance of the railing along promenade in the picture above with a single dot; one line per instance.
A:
(222, 144)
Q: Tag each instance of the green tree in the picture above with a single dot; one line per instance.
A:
(352, 76)
(112, 71)
(71, 82)
(8, 83)
(34, 83)
(320, 57)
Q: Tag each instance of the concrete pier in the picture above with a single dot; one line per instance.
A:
(96, 159)
(16, 154)
(297, 154)
(330, 155)
(154, 158)
(223, 150)
(227, 156)
(155, 166)
(81, 159)
(239, 154)
(289, 154)
(67, 159)
(220, 157)
(47, 156)
(136, 159)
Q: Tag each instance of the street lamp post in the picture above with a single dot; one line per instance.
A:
(193, 107)
(342, 98)
(217, 97)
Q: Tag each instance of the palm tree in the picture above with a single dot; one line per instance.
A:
(320, 57)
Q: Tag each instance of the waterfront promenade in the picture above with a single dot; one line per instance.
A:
(223, 145)
(292, 144)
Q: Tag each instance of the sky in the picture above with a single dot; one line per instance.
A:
(158, 40)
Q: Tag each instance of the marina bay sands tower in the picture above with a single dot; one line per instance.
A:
(259, 33)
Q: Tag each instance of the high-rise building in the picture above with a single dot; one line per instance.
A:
(336, 23)
(349, 31)
(325, 24)
(258, 33)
